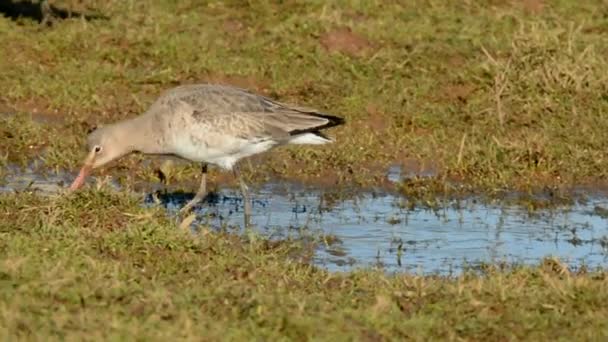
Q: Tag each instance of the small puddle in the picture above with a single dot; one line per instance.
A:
(379, 231)
(28, 180)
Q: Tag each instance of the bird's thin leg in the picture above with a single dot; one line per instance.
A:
(48, 16)
(201, 193)
(245, 193)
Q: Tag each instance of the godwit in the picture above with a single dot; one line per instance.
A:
(209, 124)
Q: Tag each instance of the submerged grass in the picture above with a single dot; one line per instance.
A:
(494, 94)
(96, 265)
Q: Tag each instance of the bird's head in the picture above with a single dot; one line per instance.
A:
(104, 146)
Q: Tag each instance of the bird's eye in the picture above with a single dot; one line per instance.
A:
(97, 149)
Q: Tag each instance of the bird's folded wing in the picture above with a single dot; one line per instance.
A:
(279, 125)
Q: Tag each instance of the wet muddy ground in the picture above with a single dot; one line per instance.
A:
(363, 229)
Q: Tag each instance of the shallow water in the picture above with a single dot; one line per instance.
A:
(376, 230)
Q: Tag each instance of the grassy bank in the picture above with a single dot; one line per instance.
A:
(98, 266)
(491, 93)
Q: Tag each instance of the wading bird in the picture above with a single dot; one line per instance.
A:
(208, 124)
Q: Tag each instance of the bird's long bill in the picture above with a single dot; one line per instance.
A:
(84, 172)
(82, 175)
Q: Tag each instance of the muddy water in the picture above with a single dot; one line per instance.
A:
(370, 230)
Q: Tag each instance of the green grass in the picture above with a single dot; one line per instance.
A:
(95, 265)
(493, 94)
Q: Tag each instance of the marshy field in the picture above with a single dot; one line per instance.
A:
(465, 198)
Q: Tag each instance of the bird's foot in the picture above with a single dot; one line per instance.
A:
(187, 208)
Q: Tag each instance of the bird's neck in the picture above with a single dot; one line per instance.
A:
(140, 134)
